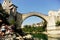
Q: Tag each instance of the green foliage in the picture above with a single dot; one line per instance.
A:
(12, 21)
(58, 23)
(40, 36)
(27, 26)
(33, 29)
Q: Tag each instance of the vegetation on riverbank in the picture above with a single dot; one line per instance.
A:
(29, 28)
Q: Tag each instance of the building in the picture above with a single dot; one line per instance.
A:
(38, 24)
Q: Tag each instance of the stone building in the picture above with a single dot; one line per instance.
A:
(38, 24)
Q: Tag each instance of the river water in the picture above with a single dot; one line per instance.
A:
(40, 36)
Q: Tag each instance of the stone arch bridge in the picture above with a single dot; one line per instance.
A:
(22, 17)
(50, 20)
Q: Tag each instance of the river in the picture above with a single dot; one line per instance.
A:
(40, 36)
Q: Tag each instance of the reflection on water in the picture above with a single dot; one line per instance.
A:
(40, 36)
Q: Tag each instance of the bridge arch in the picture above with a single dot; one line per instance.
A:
(40, 15)
(37, 14)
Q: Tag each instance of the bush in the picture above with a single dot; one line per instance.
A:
(31, 29)
(12, 21)
(58, 23)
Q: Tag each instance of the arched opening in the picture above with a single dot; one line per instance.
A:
(36, 14)
(33, 18)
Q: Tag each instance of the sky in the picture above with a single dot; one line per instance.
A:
(42, 6)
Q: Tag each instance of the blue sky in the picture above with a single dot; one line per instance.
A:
(43, 6)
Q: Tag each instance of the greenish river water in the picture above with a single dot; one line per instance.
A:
(40, 36)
